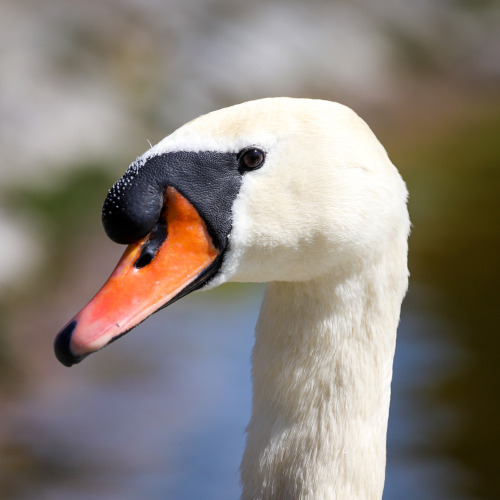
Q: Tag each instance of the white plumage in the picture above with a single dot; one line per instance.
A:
(325, 222)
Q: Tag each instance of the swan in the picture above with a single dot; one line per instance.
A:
(298, 193)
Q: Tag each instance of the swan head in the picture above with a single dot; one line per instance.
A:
(271, 190)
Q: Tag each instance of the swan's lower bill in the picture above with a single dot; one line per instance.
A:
(177, 257)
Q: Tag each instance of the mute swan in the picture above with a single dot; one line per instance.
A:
(298, 193)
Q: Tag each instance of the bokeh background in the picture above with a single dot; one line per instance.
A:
(85, 85)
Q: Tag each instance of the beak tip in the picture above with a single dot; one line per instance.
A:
(62, 348)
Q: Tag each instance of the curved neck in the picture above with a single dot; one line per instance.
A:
(322, 368)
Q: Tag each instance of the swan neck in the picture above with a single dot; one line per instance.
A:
(322, 369)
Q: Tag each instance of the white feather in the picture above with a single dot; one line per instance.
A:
(325, 222)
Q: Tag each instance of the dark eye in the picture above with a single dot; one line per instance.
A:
(251, 159)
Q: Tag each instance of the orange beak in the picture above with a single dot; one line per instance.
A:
(172, 260)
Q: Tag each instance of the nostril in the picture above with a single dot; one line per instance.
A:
(155, 240)
(144, 259)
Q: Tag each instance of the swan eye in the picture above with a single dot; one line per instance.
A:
(250, 159)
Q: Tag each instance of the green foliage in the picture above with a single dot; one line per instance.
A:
(68, 210)
(454, 184)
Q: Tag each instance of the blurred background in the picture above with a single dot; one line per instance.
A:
(85, 85)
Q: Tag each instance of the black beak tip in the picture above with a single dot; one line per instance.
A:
(61, 346)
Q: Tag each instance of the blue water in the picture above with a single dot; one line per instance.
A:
(161, 413)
